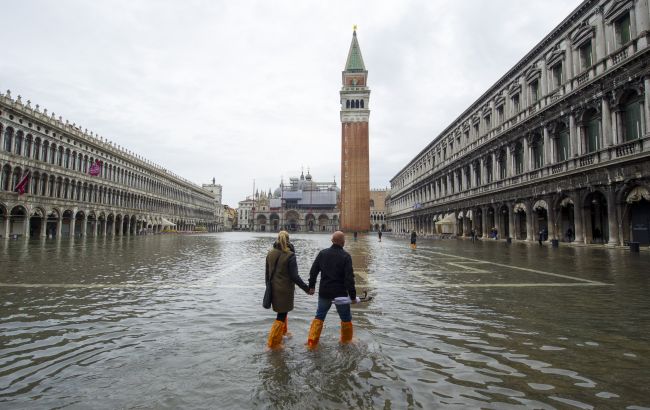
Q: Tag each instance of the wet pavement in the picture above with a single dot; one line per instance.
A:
(176, 322)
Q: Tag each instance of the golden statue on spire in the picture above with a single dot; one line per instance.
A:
(354, 27)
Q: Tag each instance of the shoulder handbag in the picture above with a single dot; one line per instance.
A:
(268, 293)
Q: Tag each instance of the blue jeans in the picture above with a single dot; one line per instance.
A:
(324, 305)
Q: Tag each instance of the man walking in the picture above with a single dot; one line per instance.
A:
(337, 280)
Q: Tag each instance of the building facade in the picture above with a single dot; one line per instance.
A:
(378, 209)
(559, 145)
(302, 205)
(245, 214)
(355, 164)
(217, 192)
(77, 184)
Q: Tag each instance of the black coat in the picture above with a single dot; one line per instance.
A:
(337, 276)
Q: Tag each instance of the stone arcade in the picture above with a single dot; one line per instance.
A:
(560, 144)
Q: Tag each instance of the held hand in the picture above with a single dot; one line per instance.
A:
(311, 291)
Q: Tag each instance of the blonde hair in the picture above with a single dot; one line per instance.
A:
(283, 240)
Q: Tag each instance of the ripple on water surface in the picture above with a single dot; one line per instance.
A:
(176, 322)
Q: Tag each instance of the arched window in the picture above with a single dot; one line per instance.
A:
(46, 150)
(67, 158)
(5, 177)
(37, 148)
(60, 157)
(29, 143)
(356, 104)
(361, 103)
(19, 143)
(9, 136)
(52, 153)
(347, 103)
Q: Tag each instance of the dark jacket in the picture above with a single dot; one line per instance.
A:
(284, 279)
(337, 276)
(414, 237)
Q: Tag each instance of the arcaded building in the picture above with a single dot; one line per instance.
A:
(355, 165)
(57, 180)
(559, 144)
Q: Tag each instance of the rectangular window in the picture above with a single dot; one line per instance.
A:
(500, 114)
(622, 29)
(593, 140)
(534, 91)
(557, 75)
(586, 56)
(632, 121)
(515, 104)
(488, 123)
(476, 130)
(466, 136)
(562, 151)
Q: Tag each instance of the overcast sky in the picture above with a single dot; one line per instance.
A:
(249, 90)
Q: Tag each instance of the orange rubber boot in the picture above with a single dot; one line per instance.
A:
(285, 327)
(346, 332)
(275, 336)
(314, 333)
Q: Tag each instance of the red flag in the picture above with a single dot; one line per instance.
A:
(95, 169)
(21, 186)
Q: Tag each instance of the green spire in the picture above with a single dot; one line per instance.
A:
(355, 61)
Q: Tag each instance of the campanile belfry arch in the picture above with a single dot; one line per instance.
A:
(355, 164)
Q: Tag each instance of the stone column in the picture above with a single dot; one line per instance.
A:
(118, 227)
(612, 217)
(578, 213)
(607, 136)
(7, 232)
(527, 156)
(530, 228)
(617, 120)
(73, 222)
(646, 102)
(59, 227)
(509, 160)
(483, 169)
(569, 67)
(105, 227)
(95, 227)
(43, 233)
(552, 218)
(573, 136)
(642, 17)
(484, 221)
(547, 147)
(84, 227)
(511, 222)
(26, 226)
(495, 167)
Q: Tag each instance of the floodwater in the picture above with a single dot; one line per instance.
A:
(176, 322)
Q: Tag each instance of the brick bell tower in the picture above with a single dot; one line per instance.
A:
(355, 164)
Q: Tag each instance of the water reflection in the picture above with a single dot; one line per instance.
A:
(176, 321)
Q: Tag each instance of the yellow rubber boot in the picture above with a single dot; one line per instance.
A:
(346, 332)
(314, 333)
(275, 336)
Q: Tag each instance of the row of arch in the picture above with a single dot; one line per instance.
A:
(293, 221)
(20, 220)
(52, 153)
(49, 185)
(605, 216)
(354, 103)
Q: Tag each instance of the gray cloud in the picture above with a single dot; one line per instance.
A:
(249, 90)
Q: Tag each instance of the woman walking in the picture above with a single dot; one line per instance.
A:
(282, 269)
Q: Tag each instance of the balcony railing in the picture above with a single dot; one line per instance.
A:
(620, 56)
